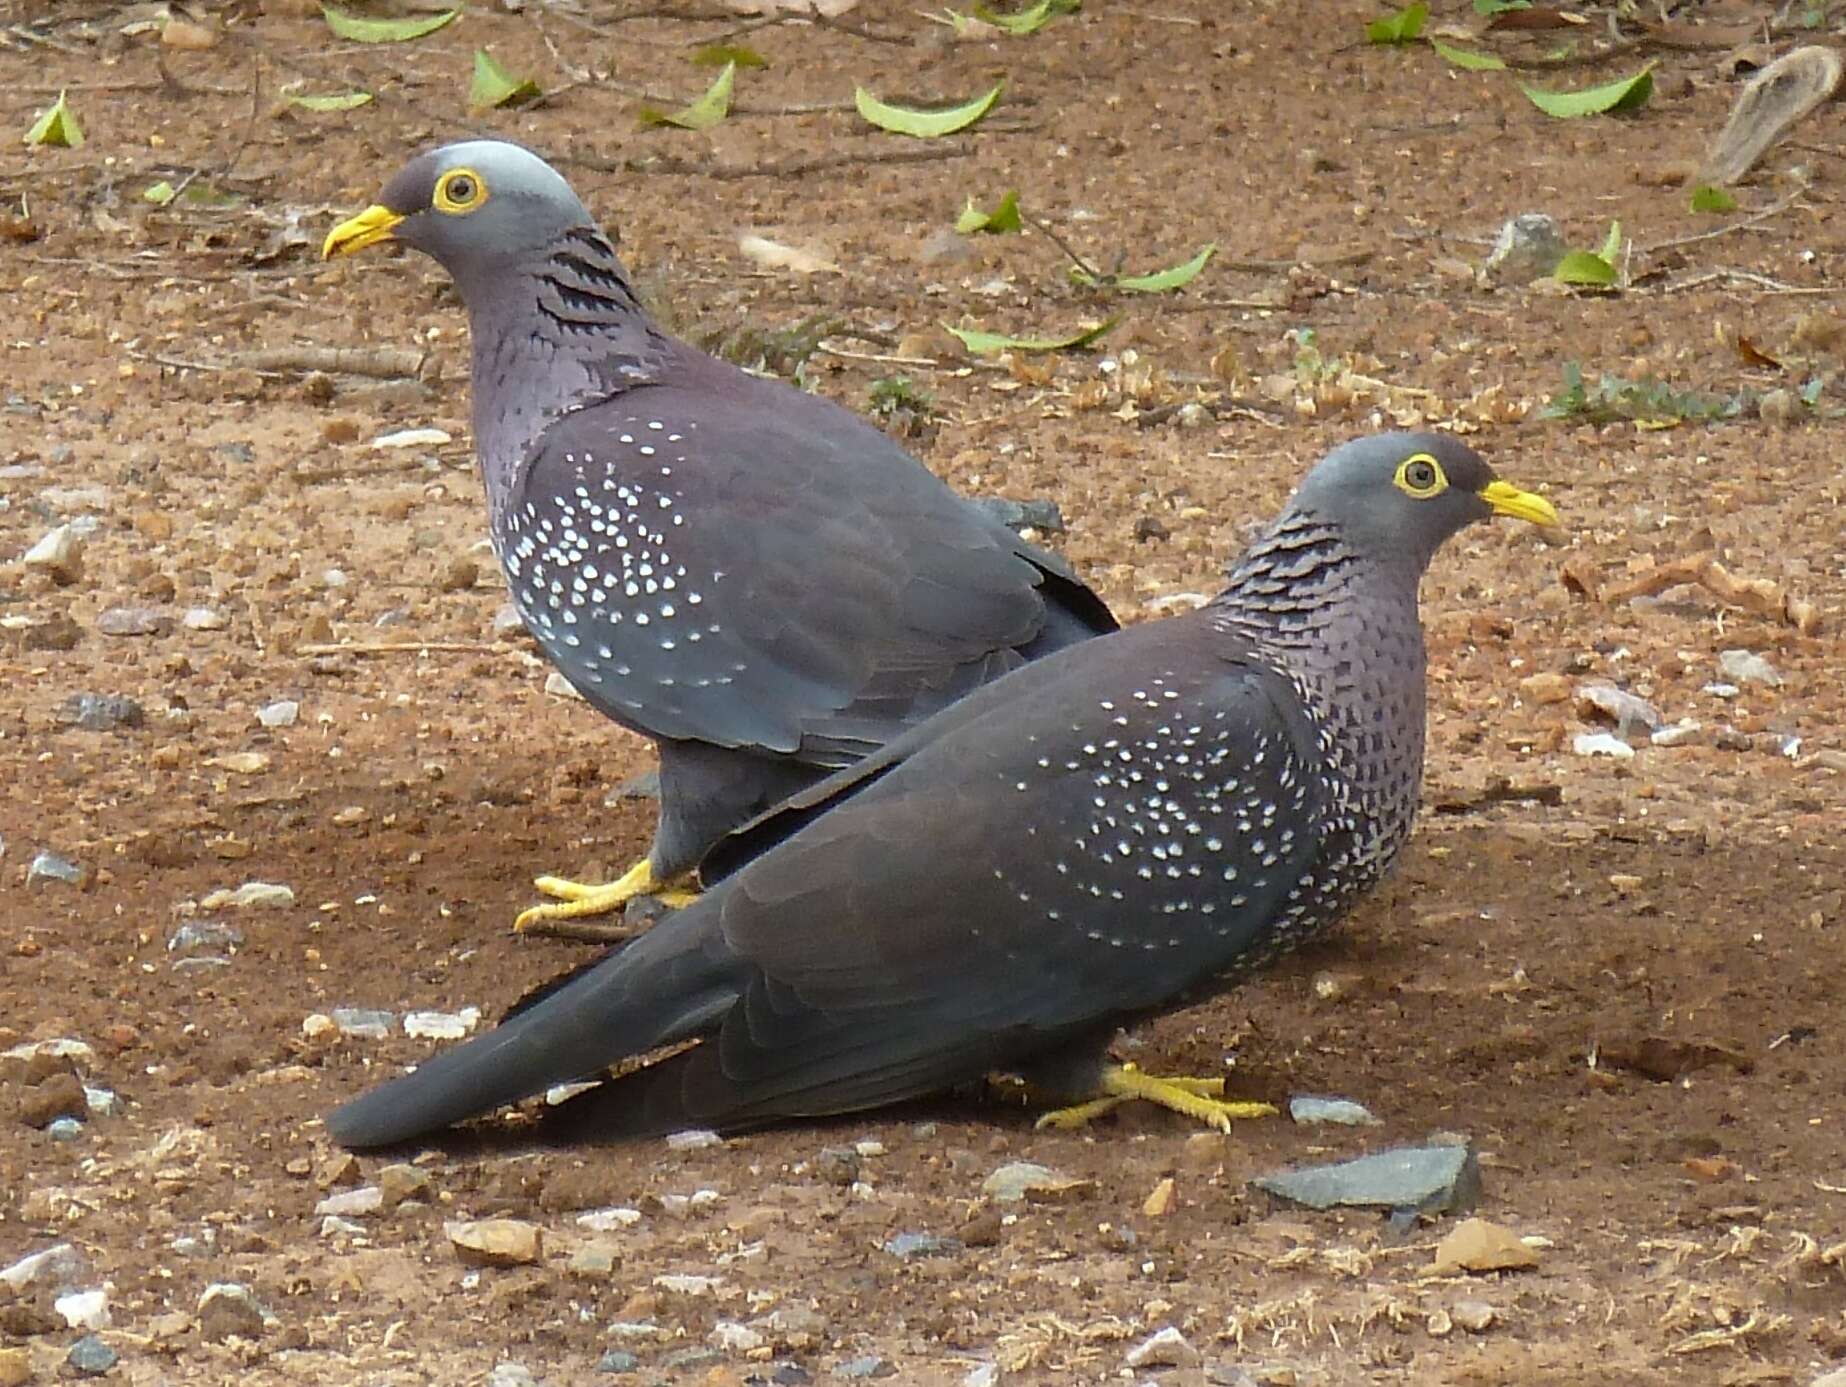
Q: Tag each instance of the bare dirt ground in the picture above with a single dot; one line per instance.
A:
(1621, 979)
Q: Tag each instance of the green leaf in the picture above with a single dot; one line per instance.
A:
(1612, 244)
(56, 126)
(1028, 21)
(1003, 219)
(1491, 7)
(494, 86)
(702, 114)
(924, 125)
(1585, 268)
(160, 194)
(728, 54)
(1401, 27)
(1629, 94)
(340, 101)
(987, 343)
(360, 29)
(1706, 198)
(1462, 58)
(1157, 283)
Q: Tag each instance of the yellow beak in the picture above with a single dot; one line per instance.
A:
(1507, 499)
(356, 233)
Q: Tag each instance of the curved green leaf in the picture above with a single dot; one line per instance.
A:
(494, 86)
(360, 29)
(56, 126)
(1401, 27)
(1629, 94)
(1585, 268)
(986, 343)
(341, 101)
(1002, 220)
(1157, 283)
(924, 125)
(1463, 58)
(702, 114)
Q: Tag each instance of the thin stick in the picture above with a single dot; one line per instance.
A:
(1754, 219)
(880, 358)
(1042, 229)
(405, 648)
(378, 363)
(576, 931)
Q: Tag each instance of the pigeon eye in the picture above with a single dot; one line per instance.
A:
(460, 190)
(1421, 476)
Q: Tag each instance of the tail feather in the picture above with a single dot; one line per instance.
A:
(673, 983)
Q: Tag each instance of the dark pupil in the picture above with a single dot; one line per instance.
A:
(1421, 476)
(461, 190)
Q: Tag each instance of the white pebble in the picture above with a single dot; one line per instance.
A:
(1602, 744)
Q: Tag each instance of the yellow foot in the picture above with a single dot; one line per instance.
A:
(1197, 1098)
(580, 900)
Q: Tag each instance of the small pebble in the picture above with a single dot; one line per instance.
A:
(507, 620)
(255, 895)
(867, 1367)
(59, 553)
(511, 1375)
(732, 1337)
(84, 1309)
(282, 713)
(441, 1025)
(1475, 1316)
(353, 1203)
(906, 1246)
(617, 1360)
(837, 1165)
(1018, 1180)
(1679, 734)
(1629, 712)
(608, 1220)
(1167, 1349)
(64, 1129)
(1344, 1111)
(411, 438)
(60, 1265)
(1601, 744)
(495, 1242)
(90, 1357)
(363, 1024)
(697, 1139)
(558, 686)
(1528, 247)
(102, 1102)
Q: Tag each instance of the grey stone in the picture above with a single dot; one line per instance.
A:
(1679, 734)
(101, 712)
(1475, 1316)
(59, 1266)
(838, 1165)
(1166, 1349)
(1307, 1109)
(1601, 744)
(906, 1246)
(90, 1357)
(227, 1308)
(869, 1366)
(1019, 1180)
(507, 620)
(49, 866)
(1426, 1179)
(1747, 667)
(617, 1360)
(682, 1359)
(135, 621)
(205, 936)
(512, 1375)
(1528, 247)
(282, 713)
(64, 1129)
(1630, 712)
(202, 619)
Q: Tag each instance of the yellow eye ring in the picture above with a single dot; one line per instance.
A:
(1421, 476)
(458, 191)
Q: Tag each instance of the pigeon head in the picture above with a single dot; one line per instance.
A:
(479, 208)
(1400, 495)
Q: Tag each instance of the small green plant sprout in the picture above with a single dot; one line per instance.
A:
(56, 126)
(1401, 26)
(1466, 59)
(1595, 269)
(1647, 403)
(702, 114)
(924, 125)
(1003, 220)
(1027, 21)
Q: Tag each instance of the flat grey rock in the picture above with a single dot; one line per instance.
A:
(1427, 1179)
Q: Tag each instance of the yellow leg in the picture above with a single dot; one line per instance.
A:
(1197, 1098)
(582, 899)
